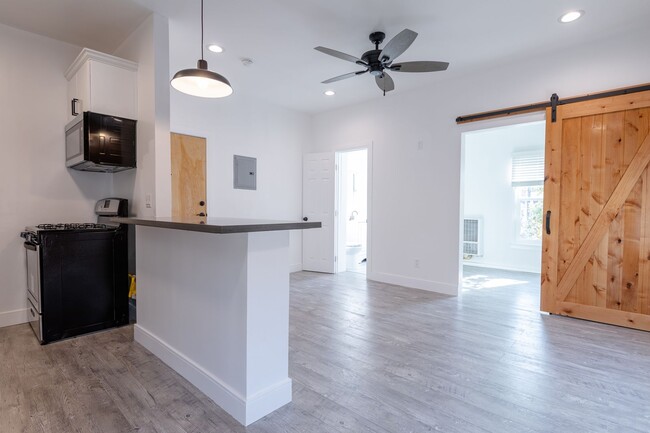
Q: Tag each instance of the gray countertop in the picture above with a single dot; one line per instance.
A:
(218, 225)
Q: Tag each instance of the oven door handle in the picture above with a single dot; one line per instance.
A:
(30, 246)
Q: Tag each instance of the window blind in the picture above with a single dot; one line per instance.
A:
(527, 169)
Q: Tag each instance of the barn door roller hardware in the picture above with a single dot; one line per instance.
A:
(554, 102)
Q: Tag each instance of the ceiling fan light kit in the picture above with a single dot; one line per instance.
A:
(377, 62)
(201, 81)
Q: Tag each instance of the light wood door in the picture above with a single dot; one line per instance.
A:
(596, 258)
(318, 247)
(188, 176)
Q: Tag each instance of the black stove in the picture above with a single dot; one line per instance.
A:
(78, 274)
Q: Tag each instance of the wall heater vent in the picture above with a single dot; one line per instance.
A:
(472, 237)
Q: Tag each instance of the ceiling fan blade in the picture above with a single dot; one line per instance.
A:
(397, 45)
(344, 76)
(340, 55)
(385, 82)
(419, 67)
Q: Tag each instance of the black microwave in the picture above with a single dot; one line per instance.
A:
(98, 142)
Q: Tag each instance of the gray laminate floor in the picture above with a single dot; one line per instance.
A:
(364, 357)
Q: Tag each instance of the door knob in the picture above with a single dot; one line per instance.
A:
(201, 214)
(305, 219)
(201, 203)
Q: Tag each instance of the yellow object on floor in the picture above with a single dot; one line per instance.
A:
(131, 286)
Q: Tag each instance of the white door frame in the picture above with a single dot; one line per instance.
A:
(337, 153)
(478, 126)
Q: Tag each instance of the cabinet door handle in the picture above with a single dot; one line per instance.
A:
(548, 222)
(73, 104)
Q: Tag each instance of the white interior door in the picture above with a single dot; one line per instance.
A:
(318, 250)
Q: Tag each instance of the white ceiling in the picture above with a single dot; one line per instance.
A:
(98, 24)
(279, 35)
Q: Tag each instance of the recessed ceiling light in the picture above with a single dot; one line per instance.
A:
(330, 93)
(215, 48)
(571, 16)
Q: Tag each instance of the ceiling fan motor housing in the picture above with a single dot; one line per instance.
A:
(372, 59)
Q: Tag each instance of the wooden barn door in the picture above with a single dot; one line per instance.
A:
(596, 241)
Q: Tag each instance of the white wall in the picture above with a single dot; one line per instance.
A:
(35, 186)
(488, 194)
(416, 202)
(148, 46)
(240, 126)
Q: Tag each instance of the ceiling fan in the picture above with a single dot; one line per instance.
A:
(378, 62)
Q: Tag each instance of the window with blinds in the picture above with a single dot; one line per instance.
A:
(527, 169)
(528, 186)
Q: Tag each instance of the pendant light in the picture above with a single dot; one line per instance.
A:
(200, 81)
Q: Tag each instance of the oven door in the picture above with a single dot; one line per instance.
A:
(33, 253)
(35, 320)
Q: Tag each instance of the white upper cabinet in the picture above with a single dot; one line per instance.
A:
(102, 83)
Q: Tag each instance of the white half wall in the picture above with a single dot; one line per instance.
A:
(488, 194)
(215, 308)
(416, 181)
(35, 185)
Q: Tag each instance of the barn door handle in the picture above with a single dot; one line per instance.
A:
(548, 222)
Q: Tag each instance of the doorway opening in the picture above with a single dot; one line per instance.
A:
(503, 195)
(352, 211)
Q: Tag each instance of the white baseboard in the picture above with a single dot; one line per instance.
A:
(246, 411)
(503, 268)
(266, 401)
(15, 317)
(296, 267)
(414, 283)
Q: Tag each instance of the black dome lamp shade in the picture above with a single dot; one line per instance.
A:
(201, 81)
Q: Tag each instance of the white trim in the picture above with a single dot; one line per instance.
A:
(503, 122)
(15, 317)
(268, 400)
(88, 54)
(246, 411)
(414, 283)
(296, 267)
(471, 127)
(369, 199)
(503, 268)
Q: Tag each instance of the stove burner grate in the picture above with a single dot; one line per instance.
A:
(71, 226)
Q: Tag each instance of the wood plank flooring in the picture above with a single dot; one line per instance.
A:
(364, 357)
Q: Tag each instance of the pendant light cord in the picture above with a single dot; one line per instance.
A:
(201, 29)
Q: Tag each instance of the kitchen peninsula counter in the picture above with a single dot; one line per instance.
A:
(213, 304)
(218, 225)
